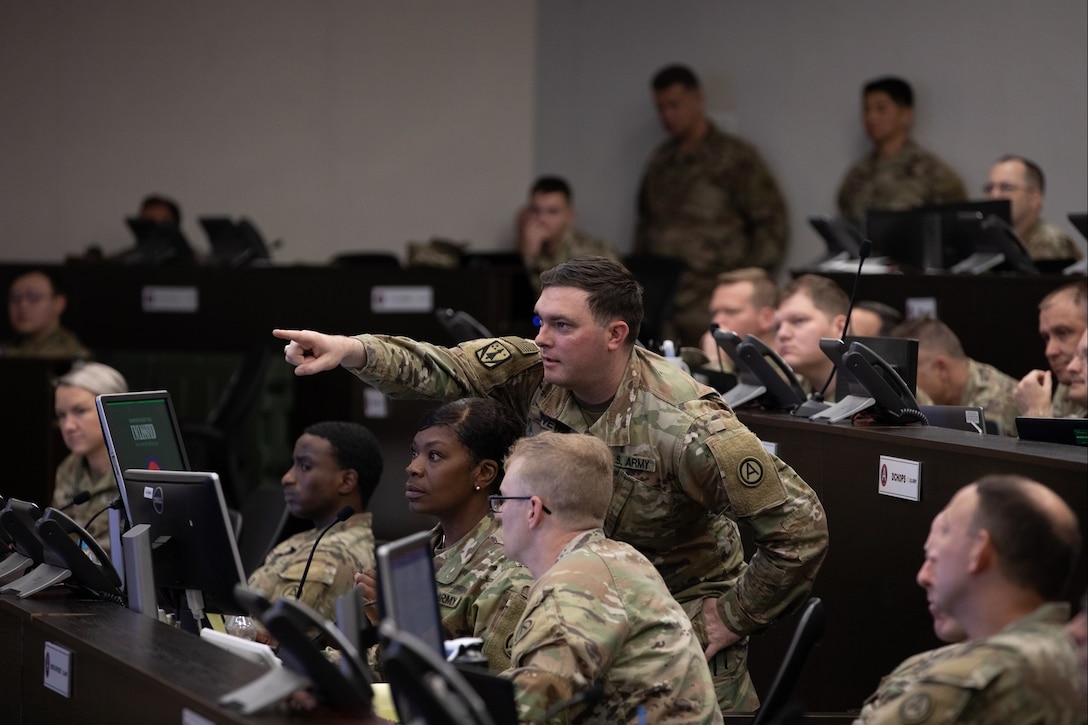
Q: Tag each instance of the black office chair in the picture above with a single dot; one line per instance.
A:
(264, 514)
(660, 278)
(809, 630)
(217, 443)
(461, 325)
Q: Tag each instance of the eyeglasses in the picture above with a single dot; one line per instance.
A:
(1004, 187)
(31, 298)
(496, 503)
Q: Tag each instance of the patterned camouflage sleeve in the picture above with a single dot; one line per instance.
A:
(506, 368)
(784, 513)
(764, 210)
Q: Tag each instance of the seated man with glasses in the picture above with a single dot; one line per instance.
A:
(35, 305)
(601, 637)
(1022, 182)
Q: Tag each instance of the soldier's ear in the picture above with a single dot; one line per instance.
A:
(486, 472)
(349, 481)
(982, 555)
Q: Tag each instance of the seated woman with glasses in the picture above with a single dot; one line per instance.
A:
(456, 464)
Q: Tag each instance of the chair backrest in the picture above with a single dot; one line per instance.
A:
(809, 630)
(660, 279)
(264, 513)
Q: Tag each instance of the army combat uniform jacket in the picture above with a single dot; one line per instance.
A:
(685, 469)
(992, 390)
(346, 549)
(1026, 673)
(61, 343)
(574, 244)
(73, 476)
(481, 593)
(1048, 241)
(602, 616)
(913, 178)
(717, 208)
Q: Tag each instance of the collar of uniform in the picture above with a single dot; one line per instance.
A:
(613, 426)
(449, 566)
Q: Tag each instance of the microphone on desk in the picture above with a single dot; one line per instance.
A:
(342, 515)
(815, 402)
(81, 497)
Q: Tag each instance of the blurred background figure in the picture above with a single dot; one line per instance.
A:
(87, 467)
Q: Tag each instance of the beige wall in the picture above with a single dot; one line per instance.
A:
(333, 124)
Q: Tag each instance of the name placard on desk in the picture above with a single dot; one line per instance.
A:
(58, 669)
(900, 478)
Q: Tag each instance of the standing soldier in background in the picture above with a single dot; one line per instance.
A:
(707, 198)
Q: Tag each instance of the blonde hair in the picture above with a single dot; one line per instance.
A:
(570, 472)
(97, 378)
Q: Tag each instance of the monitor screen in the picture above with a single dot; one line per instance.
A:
(408, 593)
(192, 542)
(931, 237)
(157, 243)
(141, 431)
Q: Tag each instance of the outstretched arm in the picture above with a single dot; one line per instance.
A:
(315, 352)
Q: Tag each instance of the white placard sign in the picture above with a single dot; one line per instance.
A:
(404, 298)
(58, 668)
(900, 478)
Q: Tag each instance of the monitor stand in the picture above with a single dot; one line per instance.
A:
(848, 407)
(743, 393)
(978, 262)
(41, 577)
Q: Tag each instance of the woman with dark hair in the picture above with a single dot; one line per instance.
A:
(456, 463)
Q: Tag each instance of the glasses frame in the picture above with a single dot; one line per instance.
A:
(495, 503)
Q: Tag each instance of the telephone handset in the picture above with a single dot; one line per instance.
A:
(895, 402)
(291, 623)
(782, 386)
(19, 519)
(66, 539)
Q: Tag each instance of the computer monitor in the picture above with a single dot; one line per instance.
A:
(934, 237)
(141, 431)
(407, 589)
(233, 243)
(157, 243)
(900, 353)
(192, 542)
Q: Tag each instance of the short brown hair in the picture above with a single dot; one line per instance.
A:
(932, 334)
(826, 295)
(614, 293)
(570, 472)
(764, 289)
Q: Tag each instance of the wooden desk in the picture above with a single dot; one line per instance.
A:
(876, 613)
(125, 667)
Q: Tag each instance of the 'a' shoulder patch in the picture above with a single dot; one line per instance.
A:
(493, 355)
(750, 471)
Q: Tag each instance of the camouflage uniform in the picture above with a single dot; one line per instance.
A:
(346, 549)
(602, 615)
(60, 344)
(1062, 407)
(913, 178)
(1026, 673)
(573, 244)
(991, 389)
(680, 453)
(1047, 241)
(73, 476)
(718, 208)
(481, 593)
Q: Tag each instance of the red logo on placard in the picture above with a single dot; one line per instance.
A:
(883, 474)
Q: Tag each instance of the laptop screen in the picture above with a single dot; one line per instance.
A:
(141, 431)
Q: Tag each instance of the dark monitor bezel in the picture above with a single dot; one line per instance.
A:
(107, 400)
(420, 616)
(205, 544)
(157, 243)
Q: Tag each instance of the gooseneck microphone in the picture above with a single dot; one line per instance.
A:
(342, 515)
(81, 497)
(863, 252)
